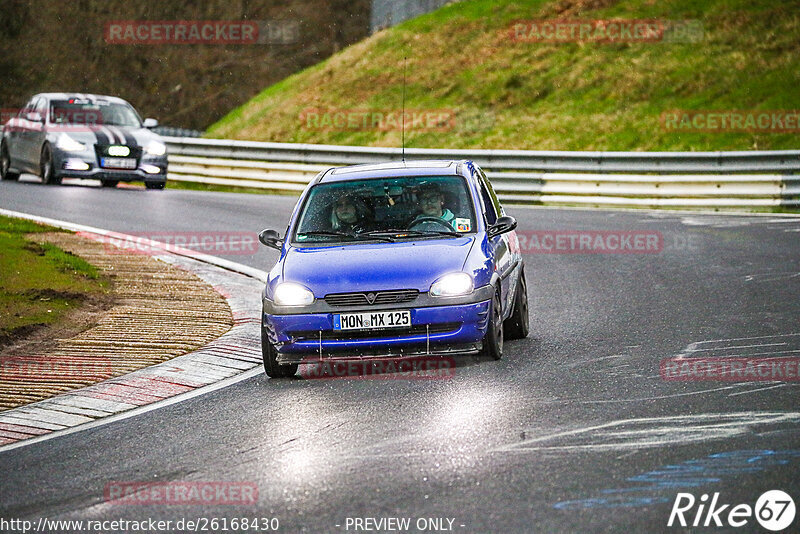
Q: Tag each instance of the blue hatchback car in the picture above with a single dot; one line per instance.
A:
(393, 260)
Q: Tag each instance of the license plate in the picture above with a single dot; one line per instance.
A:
(371, 320)
(118, 163)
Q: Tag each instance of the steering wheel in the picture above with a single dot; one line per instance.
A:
(422, 221)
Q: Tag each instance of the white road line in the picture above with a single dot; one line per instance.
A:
(756, 390)
(199, 256)
(67, 409)
(662, 213)
(742, 339)
(688, 394)
(740, 347)
(136, 411)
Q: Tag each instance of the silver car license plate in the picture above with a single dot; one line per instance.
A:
(118, 163)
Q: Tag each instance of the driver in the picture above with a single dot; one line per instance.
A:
(346, 216)
(431, 204)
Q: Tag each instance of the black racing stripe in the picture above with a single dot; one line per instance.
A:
(101, 136)
(112, 133)
(129, 139)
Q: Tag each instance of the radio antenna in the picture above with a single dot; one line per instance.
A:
(404, 110)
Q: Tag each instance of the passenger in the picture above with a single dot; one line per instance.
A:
(348, 215)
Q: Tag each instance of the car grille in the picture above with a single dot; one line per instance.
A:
(102, 152)
(395, 296)
(345, 335)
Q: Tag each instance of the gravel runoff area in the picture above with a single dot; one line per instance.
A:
(159, 311)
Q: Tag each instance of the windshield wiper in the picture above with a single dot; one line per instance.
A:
(415, 233)
(351, 235)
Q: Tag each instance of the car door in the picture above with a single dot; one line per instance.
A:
(39, 130)
(33, 133)
(17, 138)
(499, 244)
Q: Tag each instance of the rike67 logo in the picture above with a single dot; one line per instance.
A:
(774, 511)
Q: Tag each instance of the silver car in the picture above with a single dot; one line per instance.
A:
(72, 135)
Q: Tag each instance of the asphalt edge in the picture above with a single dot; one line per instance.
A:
(233, 357)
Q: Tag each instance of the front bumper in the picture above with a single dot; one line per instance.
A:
(436, 330)
(72, 165)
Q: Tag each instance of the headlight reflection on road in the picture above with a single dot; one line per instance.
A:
(299, 464)
(467, 413)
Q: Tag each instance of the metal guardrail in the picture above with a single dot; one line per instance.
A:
(714, 179)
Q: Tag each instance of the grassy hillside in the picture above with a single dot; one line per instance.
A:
(559, 96)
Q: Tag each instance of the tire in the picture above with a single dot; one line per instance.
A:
(271, 365)
(46, 170)
(155, 185)
(5, 165)
(110, 183)
(517, 326)
(493, 340)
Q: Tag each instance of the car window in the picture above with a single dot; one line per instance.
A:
(495, 201)
(77, 111)
(420, 204)
(29, 106)
(41, 107)
(490, 203)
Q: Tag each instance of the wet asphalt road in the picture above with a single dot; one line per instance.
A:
(573, 430)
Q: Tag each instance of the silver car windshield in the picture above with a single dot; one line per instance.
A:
(386, 208)
(81, 112)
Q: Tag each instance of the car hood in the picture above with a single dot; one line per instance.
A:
(371, 267)
(107, 135)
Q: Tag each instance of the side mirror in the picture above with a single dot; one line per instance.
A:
(150, 123)
(34, 116)
(270, 238)
(502, 225)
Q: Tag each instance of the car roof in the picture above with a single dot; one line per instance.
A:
(82, 96)
(393, 169)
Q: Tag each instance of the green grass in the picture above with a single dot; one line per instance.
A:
(547, 96)
(39, 284)
(196, 186)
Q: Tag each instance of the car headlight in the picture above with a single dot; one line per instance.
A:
(68, 144)
(155, 148)
(452, 285)
(291, 294)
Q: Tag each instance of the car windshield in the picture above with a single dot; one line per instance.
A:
(386, 209)
(84, 112)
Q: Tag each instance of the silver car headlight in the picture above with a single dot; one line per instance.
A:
(291, 294)
(452, 285)
(68, 144)
(156, 148)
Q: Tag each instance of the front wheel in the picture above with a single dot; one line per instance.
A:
(493, 340)
(110, 183)
(46, 170)
(517, 326)
(155, 185)
(5, 165)
(271, 365)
